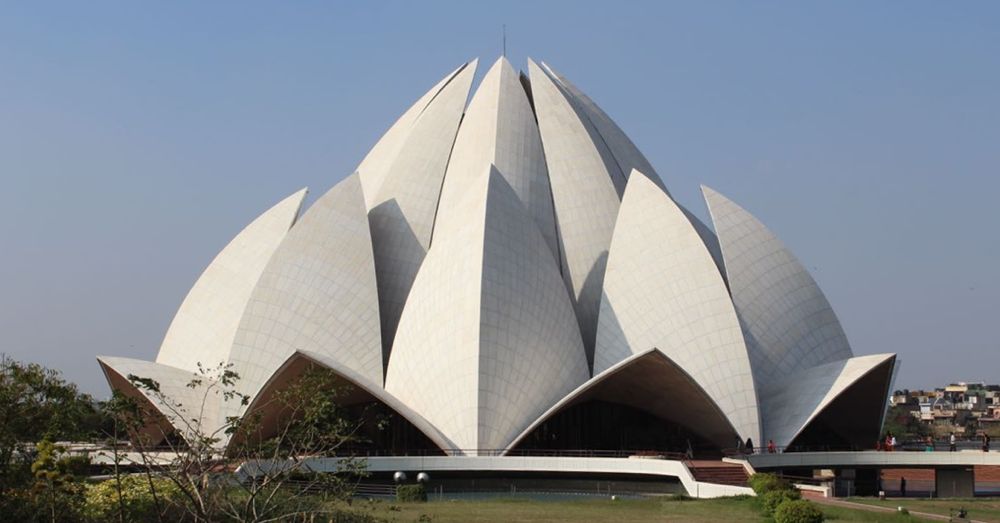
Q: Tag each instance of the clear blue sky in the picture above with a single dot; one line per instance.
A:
(137, 138)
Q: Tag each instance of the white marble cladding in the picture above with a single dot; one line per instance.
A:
(496, 238)
(493, 342)
(789, 324)
(663, 290)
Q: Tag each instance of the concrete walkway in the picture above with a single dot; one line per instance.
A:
(812, 496)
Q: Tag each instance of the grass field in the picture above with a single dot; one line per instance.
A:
(601, 510)
(982, 509)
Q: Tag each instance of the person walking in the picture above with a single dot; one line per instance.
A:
(892, 443)
(771, 449)
(902, 486)
(951, 443)
(986, 442)
(749, 446)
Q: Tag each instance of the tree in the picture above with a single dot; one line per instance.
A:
(903, 425)
(54, 486)
(277, 484)
(37, 404)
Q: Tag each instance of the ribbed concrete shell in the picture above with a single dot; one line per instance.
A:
(789, 323)
(791, 404)
(499, 129)
(401, 215)
(493, 342)
(317, 294)
(205, 324)
(663, 290)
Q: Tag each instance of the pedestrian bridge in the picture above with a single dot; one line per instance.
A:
(872, 459)
(858, 472)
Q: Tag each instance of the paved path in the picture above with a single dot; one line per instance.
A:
(818, 498)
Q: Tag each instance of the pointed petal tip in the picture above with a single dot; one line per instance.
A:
(707, 192)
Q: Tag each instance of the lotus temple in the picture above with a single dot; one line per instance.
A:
(505, 274)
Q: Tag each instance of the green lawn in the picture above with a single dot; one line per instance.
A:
(594, 510)
(982, 509)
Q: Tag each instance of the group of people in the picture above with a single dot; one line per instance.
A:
(888, 444)
(748, 448)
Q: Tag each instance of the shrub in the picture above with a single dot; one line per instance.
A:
(411, 493)
(798, 511)
(771, 500)
(763, 482)
(137, 497)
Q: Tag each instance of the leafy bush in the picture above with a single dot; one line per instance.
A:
(798, 511)
(102, 499)
(411, 493)
(763, 482)
(771, 500)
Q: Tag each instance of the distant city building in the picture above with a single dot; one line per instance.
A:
(513, 273)
(956, 406)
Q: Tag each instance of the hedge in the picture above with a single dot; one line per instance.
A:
(411, 493)
(798, 511)
(771, 500)
(763, 482)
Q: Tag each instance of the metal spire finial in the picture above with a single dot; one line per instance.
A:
(504, 31)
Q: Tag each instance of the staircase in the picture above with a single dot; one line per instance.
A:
(718, 472)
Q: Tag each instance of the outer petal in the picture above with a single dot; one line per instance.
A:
(317, 294)
(490, 341)
(186, 409)
(499, 128)
(205, 324)
(662, 289)
(627, 156)
(361, 390)
(402, 213)
(789, 323)
(652, 382)
(792, 404)
(374, 168)
(586, 184)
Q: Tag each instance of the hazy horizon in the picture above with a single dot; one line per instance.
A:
(136, 141)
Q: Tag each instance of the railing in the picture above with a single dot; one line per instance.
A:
(907, 446)
(518, 452)
(362, 452)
